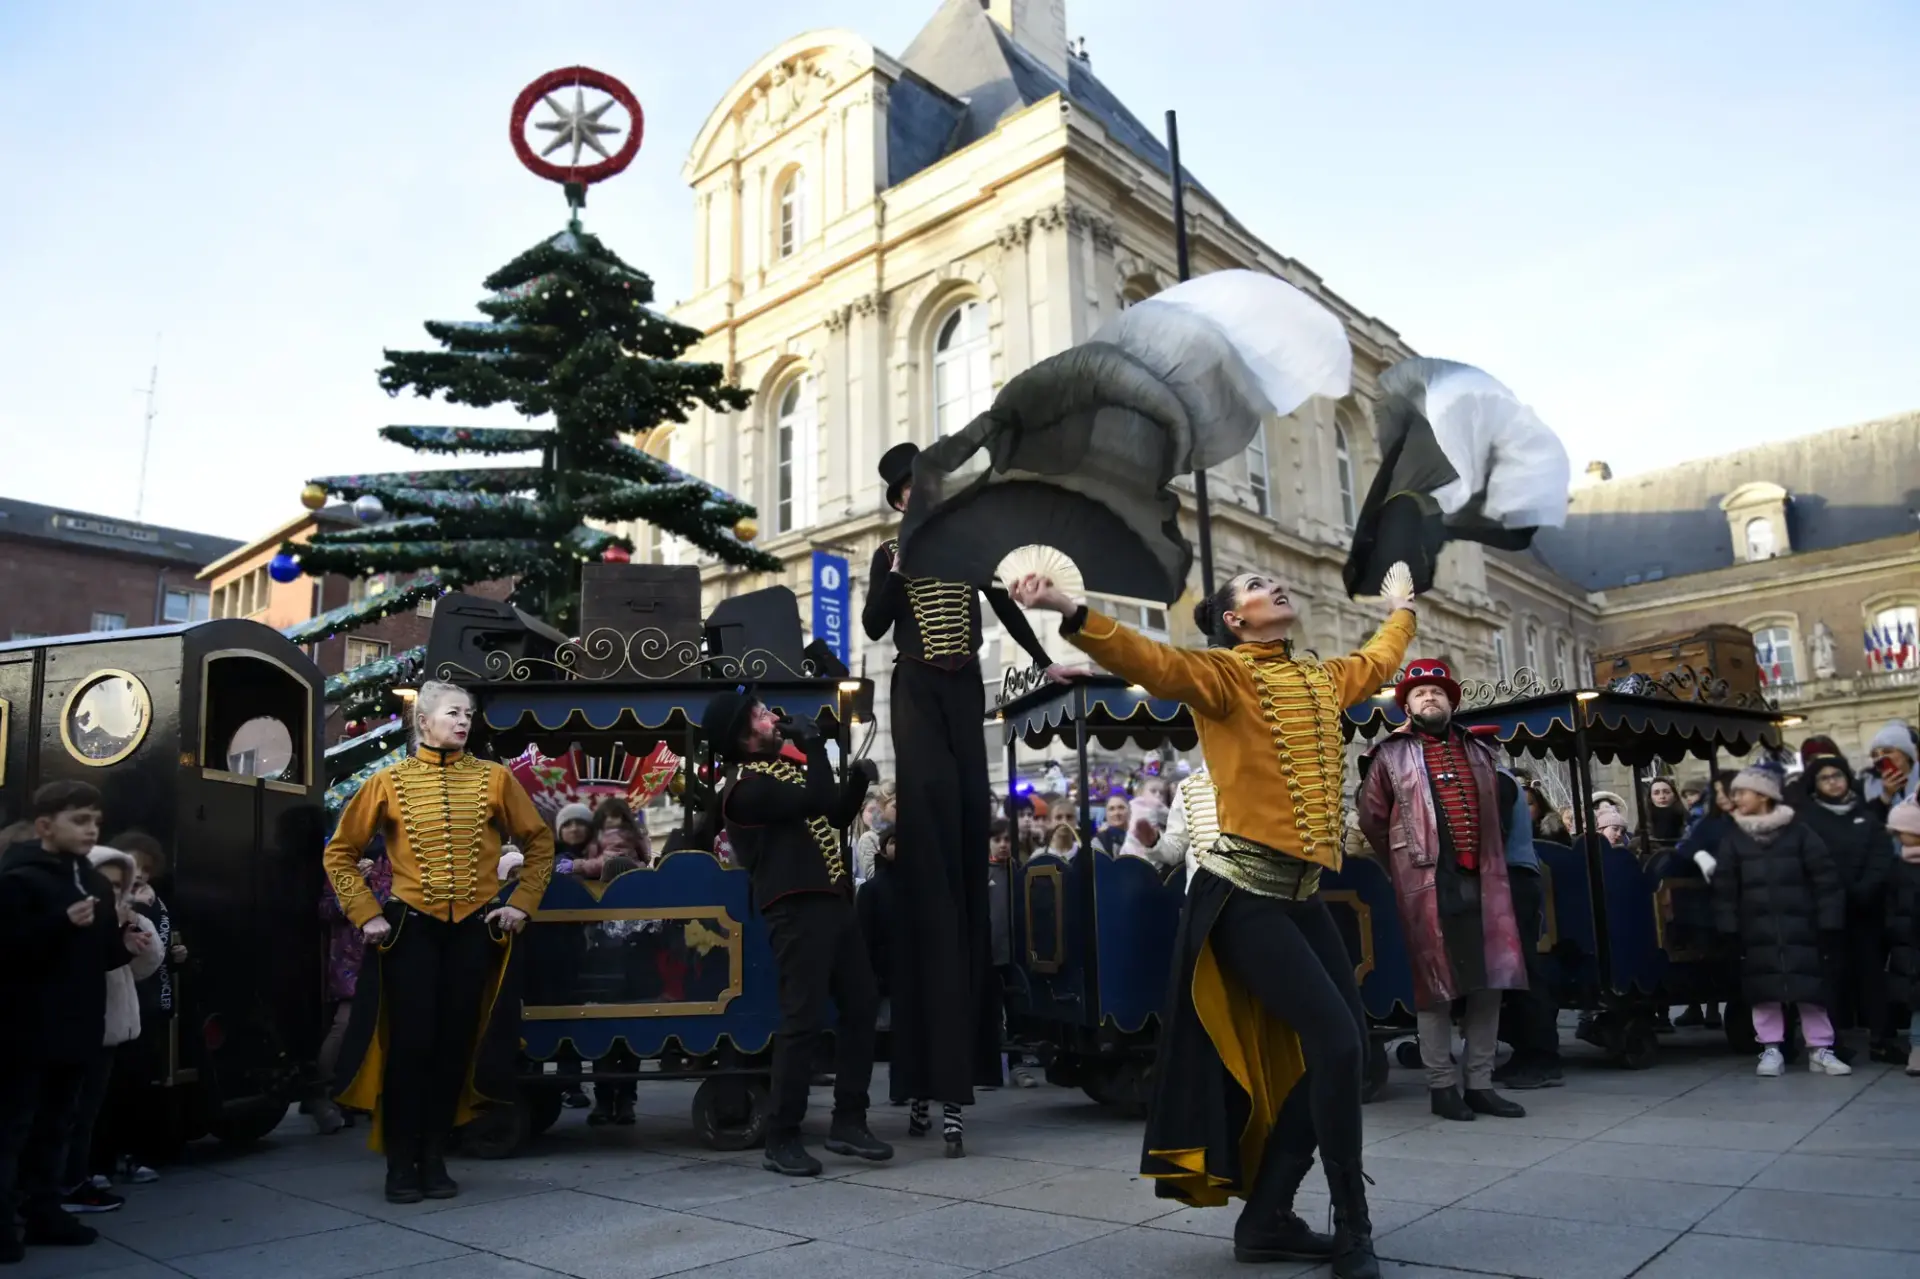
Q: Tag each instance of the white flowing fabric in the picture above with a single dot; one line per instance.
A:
(1289, 348)
(1499, 447)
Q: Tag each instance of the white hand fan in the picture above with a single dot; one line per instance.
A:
(1045, 561)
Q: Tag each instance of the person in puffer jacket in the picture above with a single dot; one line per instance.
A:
(123, 1018)
(1854, 833)
(1779, 893)
(1903, 923)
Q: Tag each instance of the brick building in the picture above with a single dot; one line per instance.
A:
(65, 572)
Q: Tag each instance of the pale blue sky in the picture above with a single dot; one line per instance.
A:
(1672, 228)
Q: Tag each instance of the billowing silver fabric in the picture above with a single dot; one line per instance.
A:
(1078, 452)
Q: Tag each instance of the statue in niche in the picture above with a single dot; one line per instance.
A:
(1825, 665)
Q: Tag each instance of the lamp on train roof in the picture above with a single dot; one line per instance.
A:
(849, 685)
(1793, 721)
(1585, 695)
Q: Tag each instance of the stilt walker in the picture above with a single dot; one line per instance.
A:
(946, 1001)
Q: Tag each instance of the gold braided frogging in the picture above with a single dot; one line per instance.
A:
(782, 770)
(942, 611)
(1299, 701)
(444, 809)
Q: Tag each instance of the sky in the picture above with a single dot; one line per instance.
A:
(1674, 230)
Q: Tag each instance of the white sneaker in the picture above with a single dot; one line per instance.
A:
(1772, 1064)
(99, 1181)
(1821, 1061)
(134, 1173)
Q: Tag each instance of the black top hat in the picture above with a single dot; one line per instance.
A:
(896, 469)
(725, 720)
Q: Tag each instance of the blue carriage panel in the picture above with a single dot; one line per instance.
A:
(1051, 936)
(1360, 897)
(1638, 962)
(582, 706)
(1569, 943)
(672, 952)
(1136, 914)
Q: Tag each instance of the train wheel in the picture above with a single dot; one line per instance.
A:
(245, 1124)
(498, 1131)
(730, 1112)
(543, 1108)
(1378, 1069)
(1408, 1054)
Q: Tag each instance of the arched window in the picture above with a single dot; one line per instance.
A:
(1530, 648)
(962, 368)
(1257, 473)
(1500, 667)
(1893, 638)
(796, 456)
(793, 213)
(1759, 538)
(1773, 648)
(1343, 475)
(1563, 661)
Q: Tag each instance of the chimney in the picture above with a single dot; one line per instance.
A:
(1037, 26)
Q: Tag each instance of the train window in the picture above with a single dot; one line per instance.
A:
(256, 720)
(106, 717)
(261, 748)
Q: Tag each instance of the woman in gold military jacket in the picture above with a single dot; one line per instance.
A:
(1263, 1037)
(441, 942)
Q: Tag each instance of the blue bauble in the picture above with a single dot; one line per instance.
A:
(369, 508)
(283, 568)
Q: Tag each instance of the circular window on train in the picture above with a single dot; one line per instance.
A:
(106, 717)
(261, 747)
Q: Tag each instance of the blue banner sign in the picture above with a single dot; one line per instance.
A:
(832, 589)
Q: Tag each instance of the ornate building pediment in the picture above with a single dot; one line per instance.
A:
(777, 92)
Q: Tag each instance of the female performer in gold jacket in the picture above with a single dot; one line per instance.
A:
(1263, 1040)
(439, 947)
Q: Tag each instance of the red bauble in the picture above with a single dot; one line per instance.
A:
(617, 555)
(566, 77)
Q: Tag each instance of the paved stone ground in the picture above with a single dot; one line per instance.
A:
(1693, 1170)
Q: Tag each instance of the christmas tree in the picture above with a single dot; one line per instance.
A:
(569, 334)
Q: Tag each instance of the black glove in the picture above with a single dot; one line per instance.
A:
(800, 732)
(867, 769)
(827, 725)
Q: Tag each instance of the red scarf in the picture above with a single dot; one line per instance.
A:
(789, 751)
(1453, 784)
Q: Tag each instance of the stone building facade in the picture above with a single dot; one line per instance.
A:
(881, 242)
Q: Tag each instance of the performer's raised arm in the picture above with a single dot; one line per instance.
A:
(1203, 680)
(883, 592)
(1017, 624)
(1361, 674)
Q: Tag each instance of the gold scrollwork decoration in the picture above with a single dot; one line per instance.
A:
(648, 654)
(1525, 682)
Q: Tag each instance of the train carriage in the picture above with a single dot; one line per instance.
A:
(206, 736)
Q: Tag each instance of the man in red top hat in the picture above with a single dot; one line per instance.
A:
(1430, 808)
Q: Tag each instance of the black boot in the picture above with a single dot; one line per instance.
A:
(434, 1181)
(623, 1111)
(1485, 1101)
(403, 1180)
(788, 1157)
(851, 1136)
(1268, 1228)
(1448, 1105)
(55, 1229)
(1352, 1225)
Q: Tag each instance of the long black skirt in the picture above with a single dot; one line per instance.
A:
(946, 1027)
(1223, 1069)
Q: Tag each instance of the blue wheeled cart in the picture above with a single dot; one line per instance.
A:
(663, 972)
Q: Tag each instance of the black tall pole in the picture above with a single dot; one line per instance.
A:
(1203, 513)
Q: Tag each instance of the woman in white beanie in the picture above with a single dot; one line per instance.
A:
(1778, 891)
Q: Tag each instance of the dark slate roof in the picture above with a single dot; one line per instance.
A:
(922, 126)
(1845, 486)
(973, 59)
(33, 522)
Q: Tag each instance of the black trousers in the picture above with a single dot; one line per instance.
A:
(435, 976)
(946, 1028)
(1529, 1019)
(38, 1101)
(820, 955)
(1290, 956)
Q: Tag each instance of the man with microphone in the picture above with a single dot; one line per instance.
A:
(785, 813)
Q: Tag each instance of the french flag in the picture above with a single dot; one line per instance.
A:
(1907, 647)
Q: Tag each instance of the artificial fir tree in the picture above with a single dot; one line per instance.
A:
(570, 334)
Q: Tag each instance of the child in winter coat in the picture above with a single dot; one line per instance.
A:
(622, 843)
(1903, 922)
(122, 1024)
(574, 852)
(1778, 891)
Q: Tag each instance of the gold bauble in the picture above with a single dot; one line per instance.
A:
(747, 528)
(677, 785)
(313, 497)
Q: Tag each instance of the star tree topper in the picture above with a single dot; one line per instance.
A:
(582, 127)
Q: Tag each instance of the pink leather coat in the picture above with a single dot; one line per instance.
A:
(1397, 817)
